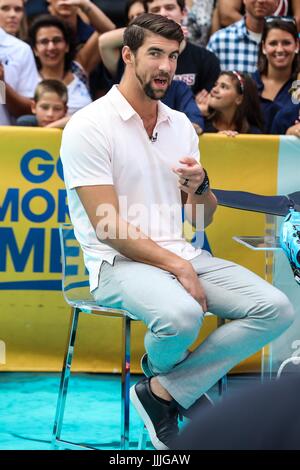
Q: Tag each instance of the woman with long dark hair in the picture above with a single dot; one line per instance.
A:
(233, 106)
(278, 65)
(54, 52)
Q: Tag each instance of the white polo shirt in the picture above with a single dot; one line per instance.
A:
(19, 70)
(106, 143)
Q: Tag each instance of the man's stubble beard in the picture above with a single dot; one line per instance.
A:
(149, 91)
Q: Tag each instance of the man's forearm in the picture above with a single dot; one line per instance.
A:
(135, 245)
(97, 17)
(109, 44)
(296, 11)
(200, 209)
(229, 14)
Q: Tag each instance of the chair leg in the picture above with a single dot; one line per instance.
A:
(65, 376)
(125, 383)
(222, 382)
(142, 442)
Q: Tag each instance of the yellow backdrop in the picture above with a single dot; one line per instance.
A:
(34, 317)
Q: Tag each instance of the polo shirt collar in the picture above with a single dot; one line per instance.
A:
(126, 111)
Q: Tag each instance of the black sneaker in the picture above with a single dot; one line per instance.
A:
(161, 420)
(203, 402)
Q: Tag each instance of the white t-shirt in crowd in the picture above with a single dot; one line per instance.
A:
(19, 70)
(78, 95)
(106, 144)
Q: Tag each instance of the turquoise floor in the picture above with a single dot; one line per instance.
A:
(28, 401)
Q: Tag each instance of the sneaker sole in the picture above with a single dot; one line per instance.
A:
(146, 419)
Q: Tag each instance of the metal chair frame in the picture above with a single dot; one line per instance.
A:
(89, 306)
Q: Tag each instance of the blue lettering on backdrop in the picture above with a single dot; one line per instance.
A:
(62, 209)
(50, 207)
(55, 263)
(11, 199)
(46, 171)
(37, 166)
(35, 241)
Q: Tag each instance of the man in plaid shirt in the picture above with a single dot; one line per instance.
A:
(237, 45)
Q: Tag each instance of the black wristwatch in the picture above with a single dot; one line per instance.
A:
(204, 186)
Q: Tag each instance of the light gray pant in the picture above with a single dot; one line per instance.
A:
(174, 318)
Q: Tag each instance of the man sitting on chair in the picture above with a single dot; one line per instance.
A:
(129, 161)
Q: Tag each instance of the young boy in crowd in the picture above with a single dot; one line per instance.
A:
(49, 106)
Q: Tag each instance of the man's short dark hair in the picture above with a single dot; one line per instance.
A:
(138, 29)
(180, 3)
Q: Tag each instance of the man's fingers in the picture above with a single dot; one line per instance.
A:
(188, 161)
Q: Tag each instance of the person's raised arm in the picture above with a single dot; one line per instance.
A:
(109, 46)
(97, 18)
(88, 55)
(296, 12)
(229, 11)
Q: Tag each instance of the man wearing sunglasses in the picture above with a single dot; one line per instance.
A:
(237, 45)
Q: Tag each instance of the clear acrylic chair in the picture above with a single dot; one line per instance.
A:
(75, 286)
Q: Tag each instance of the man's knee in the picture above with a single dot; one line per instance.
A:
(280, 310)
(182, 322)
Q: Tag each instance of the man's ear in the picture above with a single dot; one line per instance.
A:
(127, 55)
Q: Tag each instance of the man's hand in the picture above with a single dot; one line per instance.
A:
(73, 3)
(83, 4)
(187, 276)
(190, 174)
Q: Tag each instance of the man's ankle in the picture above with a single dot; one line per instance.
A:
(158, 390)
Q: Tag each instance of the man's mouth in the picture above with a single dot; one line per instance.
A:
(161, 82)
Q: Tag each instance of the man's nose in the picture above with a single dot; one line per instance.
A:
(12, 13)
(165, 65)
(163, 12)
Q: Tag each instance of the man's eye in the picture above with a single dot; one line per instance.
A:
(174, 56)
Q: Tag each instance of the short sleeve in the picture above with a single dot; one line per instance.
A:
(85, 154)
(28, 78)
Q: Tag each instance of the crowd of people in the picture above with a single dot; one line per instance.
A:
(238, 70)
